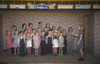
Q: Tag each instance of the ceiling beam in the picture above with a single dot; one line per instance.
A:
(50, 0)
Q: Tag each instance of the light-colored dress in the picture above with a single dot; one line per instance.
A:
(15, 38)
(36, 41)
(29, 42)
(55, 43)
(9, 41)
(61, 39)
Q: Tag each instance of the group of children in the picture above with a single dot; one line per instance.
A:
(40, 41)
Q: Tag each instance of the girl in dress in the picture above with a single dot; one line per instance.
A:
(15, 43)
(61, 44)
(49, 40)
(30, 28)
(9, 43)
(43, 43)
(29, 43)
(55, 44)
(80, 42)
(48, 26)
(69, 42)
(23, 28)
(36, 40)
(14, 29)
(21, 44)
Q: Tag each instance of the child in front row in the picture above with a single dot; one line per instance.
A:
(29, 43)
(61, 44)
(15, 43)
(55, 44)
(21, 43)
(36, 40)
(43, 43)
(9, 43)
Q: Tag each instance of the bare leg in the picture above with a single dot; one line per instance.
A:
(81, 52)
(14, 51)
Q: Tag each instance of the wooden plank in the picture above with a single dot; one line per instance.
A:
(50, 0)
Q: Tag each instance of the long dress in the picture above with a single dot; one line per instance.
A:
(70, 44)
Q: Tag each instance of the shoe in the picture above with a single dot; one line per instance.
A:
(81, 59)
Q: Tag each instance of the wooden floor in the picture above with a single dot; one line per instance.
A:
(47, 59)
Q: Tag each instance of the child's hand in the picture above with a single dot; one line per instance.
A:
(78, 43)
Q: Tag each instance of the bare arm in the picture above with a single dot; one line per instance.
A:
(75, 35)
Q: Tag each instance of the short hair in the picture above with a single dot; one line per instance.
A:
(39, 22)
(20, 32)
(81, 27)
(14, 26)
(29, 24)
(7, 31)
(23, 25)
(34, 29)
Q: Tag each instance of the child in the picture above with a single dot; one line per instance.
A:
(80, 42)
(29, 43)
(61, 44)
(65, 42)
(46, 31)
(43, 43)
(23, 28)
(30, 28)
(69, 42)
(9, 43)
(36, 45)
(55, 44)
(39, 31)
(14, 29)
(49, 40)
(25, 34)
(15, 43)
(21, 43)
(32, 35)
(48, 26)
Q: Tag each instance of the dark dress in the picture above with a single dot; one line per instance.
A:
(65, 45)
(43, 45)
(81, 42)
(22, 47)
(49, 45)
(32, 49)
